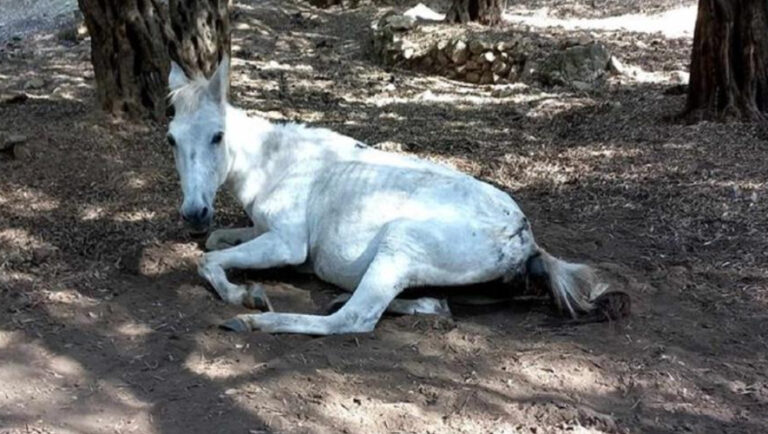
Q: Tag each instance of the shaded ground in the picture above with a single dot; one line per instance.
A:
(105, 326)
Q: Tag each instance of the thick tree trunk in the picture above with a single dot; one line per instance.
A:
(132, 42)
(201, 33)
(486, 12)
(129, 55)
(729, 63)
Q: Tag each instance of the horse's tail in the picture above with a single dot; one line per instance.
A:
(573, 287)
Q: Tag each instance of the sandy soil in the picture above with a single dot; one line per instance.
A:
(106, 328)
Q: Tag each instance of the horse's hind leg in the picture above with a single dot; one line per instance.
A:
(400, 306)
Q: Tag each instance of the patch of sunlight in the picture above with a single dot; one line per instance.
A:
(674, 23)
(637, 74)
(450, 98)
(566, 375)
(70, 297)
(133, 329)
(554, 106)
(21, 238)
(274, 65)
(9, 337)
(603, 152)
(136, 183)
(92, 213)
(27, 202)
(134, 216)
(215, 369)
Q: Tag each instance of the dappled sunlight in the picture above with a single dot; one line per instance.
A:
(27, 201)
(675, 23)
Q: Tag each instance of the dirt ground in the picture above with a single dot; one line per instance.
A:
(106, 328)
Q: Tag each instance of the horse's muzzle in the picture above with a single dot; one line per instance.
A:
(197, 220)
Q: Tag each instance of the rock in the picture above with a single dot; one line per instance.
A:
(34, 83)
(459, 52)
(580, 85)
(486, 78)
(499, 67)
(472, 77)
(680, 77)
(43, 254)
(615, 66)
(23, 152)
(488, 57)
(422, 12)
(583, 63)
(477, 46)
(442, 59)
(530, 70)
(473, 66)
(16, 98)
(74, 32)
(8, 141)
(513, 75)
(398, 22)
(505, 46)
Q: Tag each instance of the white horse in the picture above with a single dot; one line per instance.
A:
(370, 222)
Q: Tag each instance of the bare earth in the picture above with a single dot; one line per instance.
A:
(106, 328)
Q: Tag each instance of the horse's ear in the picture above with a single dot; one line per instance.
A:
(177, 77)
(218, 86)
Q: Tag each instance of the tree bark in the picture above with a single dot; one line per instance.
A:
(729, 62)
(132, 42)
(201, 33)
(129, 55)
(486, 12)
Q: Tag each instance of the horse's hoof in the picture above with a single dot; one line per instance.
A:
(613, 305)
(256, 298)
(235, 325)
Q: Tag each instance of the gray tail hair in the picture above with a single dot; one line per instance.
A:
(572, 286)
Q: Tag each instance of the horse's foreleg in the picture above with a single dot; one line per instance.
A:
(265, 251)
(382, 282)
(225, 238)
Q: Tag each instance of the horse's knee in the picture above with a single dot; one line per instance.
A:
(205, 267)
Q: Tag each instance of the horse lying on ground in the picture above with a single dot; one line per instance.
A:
(370, 222)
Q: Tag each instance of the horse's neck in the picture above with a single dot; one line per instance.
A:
(245, 139)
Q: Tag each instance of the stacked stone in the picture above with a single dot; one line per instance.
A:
(476, 60)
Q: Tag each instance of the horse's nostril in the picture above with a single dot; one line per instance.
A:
(204, 212)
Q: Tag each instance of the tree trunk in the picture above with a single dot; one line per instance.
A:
(129, 55)
(132, 42)
(201, 33)
(729, 63)
(486, 12)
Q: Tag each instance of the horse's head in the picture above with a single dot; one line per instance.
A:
(196, 134)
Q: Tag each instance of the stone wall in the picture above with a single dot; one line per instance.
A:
(399, 40)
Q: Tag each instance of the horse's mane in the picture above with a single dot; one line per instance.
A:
(187, 98)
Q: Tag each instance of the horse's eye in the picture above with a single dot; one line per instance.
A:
(217, 138)
(171, 140)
